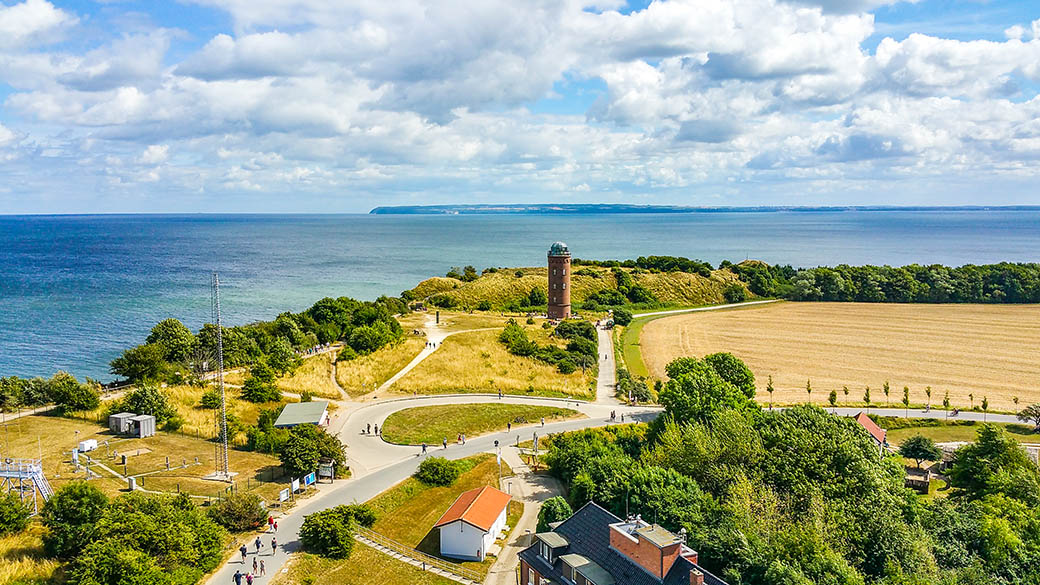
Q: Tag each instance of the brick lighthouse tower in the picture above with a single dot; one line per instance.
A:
(559, 281)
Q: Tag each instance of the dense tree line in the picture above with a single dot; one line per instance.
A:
(801, 496)
(62, 389)
(581, 345)
(991, 283)
(171, 352)
(653, 264)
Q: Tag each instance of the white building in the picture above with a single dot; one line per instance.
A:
(471, 524)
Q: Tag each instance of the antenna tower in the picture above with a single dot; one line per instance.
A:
(221, 471)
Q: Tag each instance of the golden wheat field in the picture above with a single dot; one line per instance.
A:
(990, 351)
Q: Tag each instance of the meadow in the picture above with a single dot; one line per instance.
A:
(432, 424)
(365, 373)
(971, 351)
(478, 362)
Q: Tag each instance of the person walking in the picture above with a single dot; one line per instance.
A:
(258, 545)
(377, 429)
(543, 421)
(445, 443)
(509, 426)
(263, 571)
(274, 545)
(237, 578)
(368, 429)
(424, 448)
(270, 523)
(463, 438)
(242, 549)
(255, 566)
(276, 526)
(249, 579)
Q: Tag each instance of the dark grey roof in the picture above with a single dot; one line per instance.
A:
(588, 535)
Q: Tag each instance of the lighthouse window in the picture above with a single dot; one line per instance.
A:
(554, 272)
(565, 286)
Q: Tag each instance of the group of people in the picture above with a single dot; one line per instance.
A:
(613, 416)
(431, 344)
(259, 570)
(368, 429)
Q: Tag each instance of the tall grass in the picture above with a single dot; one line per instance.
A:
(314, 376)
(366, 373)
(22, 559)
(478, 362)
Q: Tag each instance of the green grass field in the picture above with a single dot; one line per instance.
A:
(432, 424)
(365, 566)
(959, 431)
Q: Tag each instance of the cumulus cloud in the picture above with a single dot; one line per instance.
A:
(390, 97)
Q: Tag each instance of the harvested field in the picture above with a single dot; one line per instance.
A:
(986, 350)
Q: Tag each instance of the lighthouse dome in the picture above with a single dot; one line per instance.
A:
(558, 249)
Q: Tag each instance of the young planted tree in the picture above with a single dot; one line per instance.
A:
(770, 389)
(985, 408)
(866, 397)
(928, 393)
(808, 389)
(845, 391)
(920, 448)
(946, 403)
(906, 400)
(971, 397)
(886, 389)
(833, 398)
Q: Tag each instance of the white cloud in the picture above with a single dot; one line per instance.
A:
(154, 154)
(30, 22)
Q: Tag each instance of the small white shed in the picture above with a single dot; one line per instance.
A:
(471, 524)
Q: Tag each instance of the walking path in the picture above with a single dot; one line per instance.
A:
(708, 308)
(606, 381)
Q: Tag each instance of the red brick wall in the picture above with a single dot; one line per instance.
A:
(524, 571)
(655, 560)
(559, 287)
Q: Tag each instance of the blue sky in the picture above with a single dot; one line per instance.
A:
(307, 105)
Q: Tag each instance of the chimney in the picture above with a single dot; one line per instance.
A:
(696, 577)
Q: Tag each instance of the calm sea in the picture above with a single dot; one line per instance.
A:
(76, 290)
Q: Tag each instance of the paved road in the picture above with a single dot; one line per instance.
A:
(606, 382)
(920, 413)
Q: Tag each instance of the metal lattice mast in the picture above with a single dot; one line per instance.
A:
(222, 458)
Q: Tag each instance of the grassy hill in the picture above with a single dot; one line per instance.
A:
(504, 286)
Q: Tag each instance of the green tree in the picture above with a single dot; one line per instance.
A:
(734, 293)
(1031, 414)
(70, 395)
(239, 512)
(845, 390)
(14, 514)
(141, 363)
(70, 515)
(995, 464)
(177, 342)
(148, 399)
(808, 390)
(329, 533)
(770, 390)
(308, 444)
(886, 389)
(920, 448)
(622, 316)
(537, 297)
(985, 407)
(928, 393)
(438, 471)
(260, 386)
(210, 399)
(946, 400)
(866, 396)
(734, 371)
(906, 399)
(695, 391)
(833, 398)
(555, 509)
(282, 357)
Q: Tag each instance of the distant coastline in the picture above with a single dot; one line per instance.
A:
(609, 208)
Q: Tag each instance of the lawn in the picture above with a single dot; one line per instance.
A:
(478, 362)
(980, 350)
(954, 431)
(431, 424)
(366, 373)
(54, 438)
(366, 566)
(22, 559)
(408, 511)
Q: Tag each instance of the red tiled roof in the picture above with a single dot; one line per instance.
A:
(875, 431)
(479, 507)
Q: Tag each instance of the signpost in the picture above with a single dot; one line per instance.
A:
(310, 478)
(283, 495)
(295, 485)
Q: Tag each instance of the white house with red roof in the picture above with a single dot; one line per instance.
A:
(469, 527)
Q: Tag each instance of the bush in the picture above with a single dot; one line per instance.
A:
(530, 320)
(70, 516)
(555, 509)
(537, 297)
(174, 423)
(239, 512)
(443, 301)
(148, 399)
(734, 293)
(622, 316)
(306, 396)
(306, 445)
(210, 398)
(484, 305)
(14, 514)
(329, 533)
(260, 386)
(437, 471)
(347, 354)
(566, 366)
(71, 396)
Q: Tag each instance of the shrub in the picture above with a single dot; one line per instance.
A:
(443, 301)
(537, 297)
(239, 512)
(519, 274)
(484, 305)
(530, 321)
(174, 423)
(70, 516)
(566, 366)
(306, 396)
(555, 509)
(346, 354)
(734, 293)
(70, 396)
(14, 514)
(622, 316)
(437, 471)
(575, 329)
(329, 533)
(210, 398)
(306, 445)
(148, 399)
